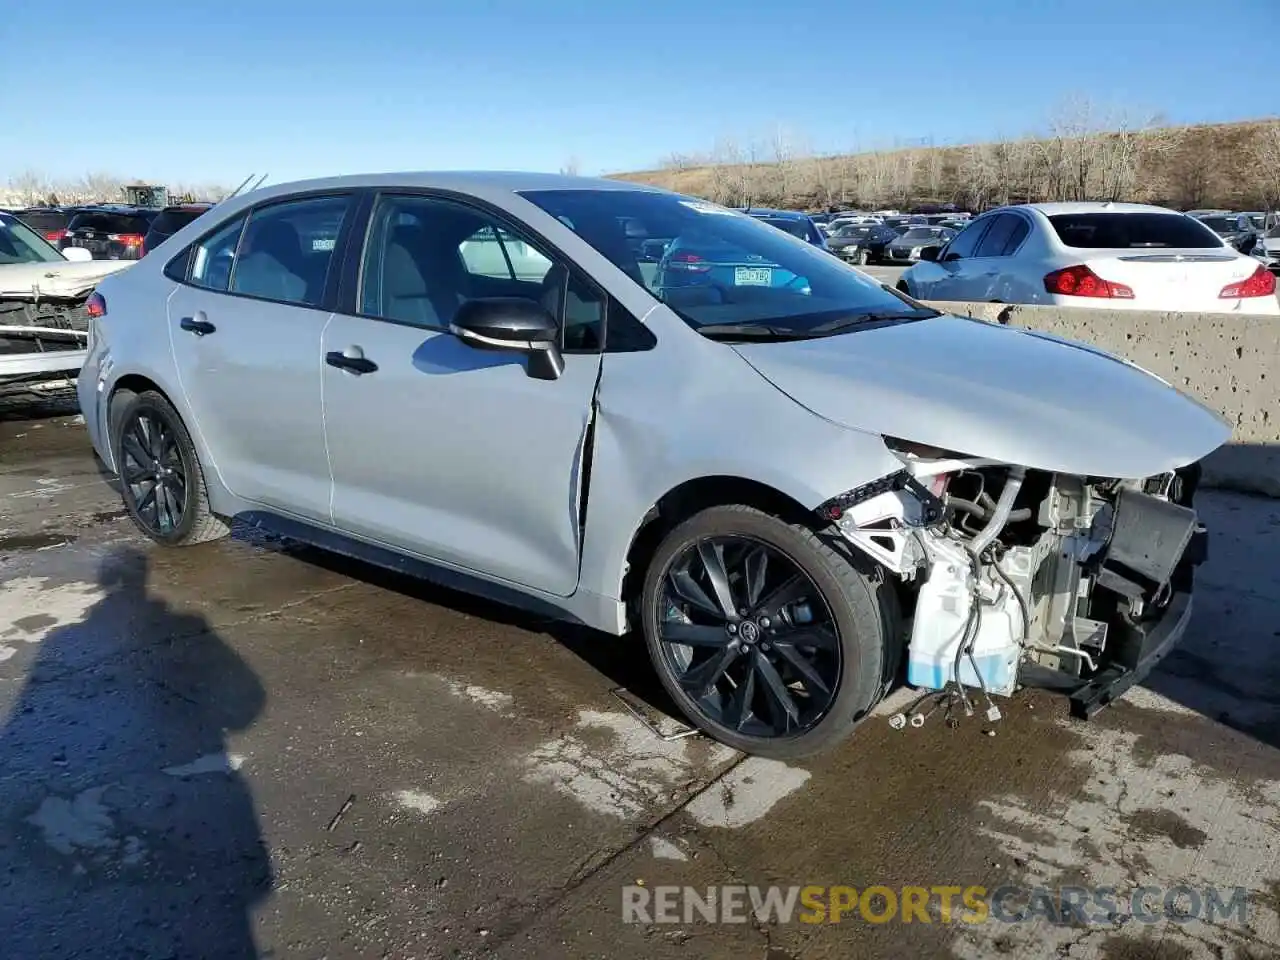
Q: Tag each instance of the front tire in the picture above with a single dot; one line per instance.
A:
(863, 257)
(161, 480)
(769, 640)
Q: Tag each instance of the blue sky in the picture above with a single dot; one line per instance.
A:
(211, 91)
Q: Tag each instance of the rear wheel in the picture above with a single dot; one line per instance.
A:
(161, 480)
(768, 639)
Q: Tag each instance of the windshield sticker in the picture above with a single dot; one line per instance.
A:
(701, 206)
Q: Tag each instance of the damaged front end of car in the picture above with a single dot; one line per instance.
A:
(1022, 577)
(43, 344)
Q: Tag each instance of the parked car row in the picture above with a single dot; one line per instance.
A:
(1119, 256)
(1241, 230)
(110, 231)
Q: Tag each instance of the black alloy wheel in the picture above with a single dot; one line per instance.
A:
(768, 639)
(750, 637)
(156, 482)
(161, 479)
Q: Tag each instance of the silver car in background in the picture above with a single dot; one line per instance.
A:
(801, 492)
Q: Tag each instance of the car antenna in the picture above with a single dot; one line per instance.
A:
(237, 189)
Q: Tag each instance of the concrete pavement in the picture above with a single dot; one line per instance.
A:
(252, 749)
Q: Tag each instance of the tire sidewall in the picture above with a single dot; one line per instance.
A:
(155, 405)
(853, 605)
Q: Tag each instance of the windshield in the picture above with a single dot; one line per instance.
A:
(922, 233)
(1275, 233)
(723, 267)
(852, 232)
(20, 244)
(1117, 231)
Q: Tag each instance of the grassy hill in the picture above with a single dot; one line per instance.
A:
(1230, 165)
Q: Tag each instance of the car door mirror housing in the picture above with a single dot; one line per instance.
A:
(930, 253)
(514, 324)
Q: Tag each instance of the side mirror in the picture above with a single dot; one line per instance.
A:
(77, 254)
(930, 254)
(514, 324)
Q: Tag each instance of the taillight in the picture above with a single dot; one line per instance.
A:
(96, 305)
(53, 236)
(1080, 281)
(128, 239)
(1262, 283)
(689, 262)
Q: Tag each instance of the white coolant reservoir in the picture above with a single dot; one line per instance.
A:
(942, 610)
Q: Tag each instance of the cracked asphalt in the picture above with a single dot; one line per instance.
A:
(253, 749)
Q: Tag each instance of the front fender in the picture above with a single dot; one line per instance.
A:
(726, 421)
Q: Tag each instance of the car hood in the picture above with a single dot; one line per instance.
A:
(995, 392)
(66, 279)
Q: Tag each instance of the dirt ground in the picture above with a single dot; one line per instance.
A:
(253, 749)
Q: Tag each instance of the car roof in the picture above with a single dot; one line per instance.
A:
(770, 212)
(461, 180)
(1093, 206)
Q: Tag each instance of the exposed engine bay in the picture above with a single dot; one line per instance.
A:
(1016, 577)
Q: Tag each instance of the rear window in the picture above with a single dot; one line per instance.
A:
(44, 220)
(171, 221)
(1119, 231)
(921, 233)
(110, 223)
(797, 228)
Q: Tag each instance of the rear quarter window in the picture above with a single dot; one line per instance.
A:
(1117, 231)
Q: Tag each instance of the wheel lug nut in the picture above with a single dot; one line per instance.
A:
(764, 646)
(764, 622)
(743, 612)
(733, 628)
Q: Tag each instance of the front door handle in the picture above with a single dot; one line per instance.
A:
(198, 327)
(357, 364)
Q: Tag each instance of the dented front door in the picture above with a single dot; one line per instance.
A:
(455, 454)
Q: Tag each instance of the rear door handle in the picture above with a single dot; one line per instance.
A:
(356, 365)
(198, 327)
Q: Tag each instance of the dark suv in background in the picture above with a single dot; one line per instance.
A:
(49, 222)
(110, 232)
(169, 221)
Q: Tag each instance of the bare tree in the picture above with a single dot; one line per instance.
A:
(570, 167)
(29, 187)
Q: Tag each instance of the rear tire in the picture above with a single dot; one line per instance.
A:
(161, 480)
(804, 626)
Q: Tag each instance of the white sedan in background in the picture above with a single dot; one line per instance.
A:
(1124, 256)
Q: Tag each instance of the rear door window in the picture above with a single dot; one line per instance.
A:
(999, 240)
(1118, 231)
(287, 249)
(966, 241)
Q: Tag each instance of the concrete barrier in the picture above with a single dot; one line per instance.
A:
(1231, 363)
